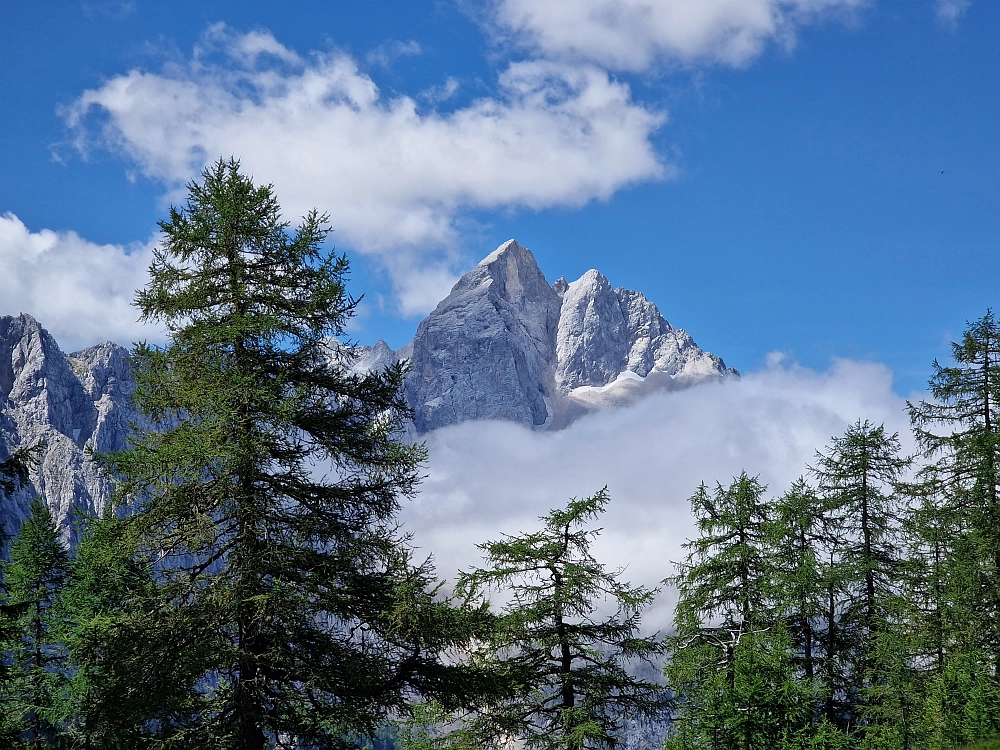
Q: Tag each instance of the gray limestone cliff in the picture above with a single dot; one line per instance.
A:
(487, 351)
(506, 345)
(71, 404)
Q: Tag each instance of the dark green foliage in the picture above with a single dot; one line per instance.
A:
(803, 580)
(728, 569)
(857, 478)
(106, 599)
(14, 469)
(956, 534)
(13, 474)
(732, 666)
(33, 577)
(563, 643)
(737, 689)
(285, 603)
(959, 428)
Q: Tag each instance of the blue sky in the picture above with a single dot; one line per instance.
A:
(815, 177)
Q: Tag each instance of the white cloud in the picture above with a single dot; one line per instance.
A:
(490, 478)
(950, 11)
(81, 292)
(396, 179)
(637, 34)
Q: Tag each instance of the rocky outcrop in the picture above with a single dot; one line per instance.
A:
(71, 404)
(487, 351)
(506, 345)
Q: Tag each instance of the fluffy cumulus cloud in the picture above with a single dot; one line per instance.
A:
(636, 34)
(81, 292)
(395, 176)
(485, 479)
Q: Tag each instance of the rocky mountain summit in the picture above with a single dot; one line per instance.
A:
(504, 344)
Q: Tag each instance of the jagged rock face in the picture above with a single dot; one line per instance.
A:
(592, 338)
(604, 333)
(71, 403)
(505, 345)
(373, 358)
(488, 350)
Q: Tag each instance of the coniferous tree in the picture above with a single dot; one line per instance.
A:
(567, 664)
(108, 592)
(731, 662)
(287, 610)
(857, 477)
(13, 474)
(728, 569)
(956, 536)
(33, 578)
(960, 437)
(797, 535)
(808, 586)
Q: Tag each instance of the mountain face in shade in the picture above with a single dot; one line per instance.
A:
(487, 351)
(504, 344)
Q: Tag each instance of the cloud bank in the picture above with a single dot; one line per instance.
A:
(81, 292)
(635, 35)
(485, 479)
(394, 176)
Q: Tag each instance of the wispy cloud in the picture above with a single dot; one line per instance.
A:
(396, 180)
(950, 12)
(385, 54)
(634, 35)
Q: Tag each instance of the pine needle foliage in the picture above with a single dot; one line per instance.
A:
(109, 620)
(732, 665)
(13, 475)
(956, 535)
(33, 578)
(857, 476)
(287, 612)
(566, 664)
(798, 533)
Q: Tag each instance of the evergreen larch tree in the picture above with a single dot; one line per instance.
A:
(797, 535)
(956, 537)
(109, 592)
(731, 661)
(857, 476)
(807, 591)
(287, 611)
(33, 578)
(13, 475)
(563, 643)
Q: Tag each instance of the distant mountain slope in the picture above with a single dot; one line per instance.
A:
(504, 344)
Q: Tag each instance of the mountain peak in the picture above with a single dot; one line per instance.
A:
(504, 344)
(511, 248)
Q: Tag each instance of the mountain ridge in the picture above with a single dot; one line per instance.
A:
(503, 344)
(558, 351)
